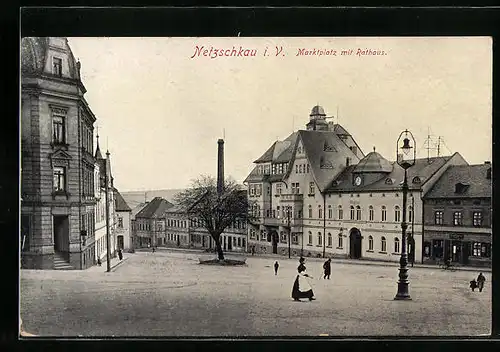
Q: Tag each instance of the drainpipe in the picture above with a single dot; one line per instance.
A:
(423, 227)
(324, 222)
(79, 189)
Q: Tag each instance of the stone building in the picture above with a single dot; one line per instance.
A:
(57, 162)
(123, 228)
(149, 223)
(317, 193)
(458, 218)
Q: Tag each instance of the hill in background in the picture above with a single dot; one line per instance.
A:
(134, 198)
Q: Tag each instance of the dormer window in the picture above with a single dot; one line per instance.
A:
(328, 148)
(57, 66)
(416, 179)
(461, 187)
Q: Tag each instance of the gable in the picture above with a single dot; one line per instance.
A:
(60, 158)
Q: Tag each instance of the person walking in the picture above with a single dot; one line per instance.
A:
(120, 254)
(253, 250)
(480, 281)
(154, 249)
(473, 285)
(276, 266)
(327, 268)
(99, 263)
(301, 286)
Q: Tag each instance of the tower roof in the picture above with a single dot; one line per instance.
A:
(317, 111)
(373, 162)
(98, 154)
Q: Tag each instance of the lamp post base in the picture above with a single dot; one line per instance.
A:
(403, 292)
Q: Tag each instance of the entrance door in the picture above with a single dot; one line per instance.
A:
(456, 248)
(355, 244)
(61, 233)
(120, 242)
(275, 242)
(229, 243)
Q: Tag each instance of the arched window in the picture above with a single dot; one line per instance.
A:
(396, 245)
(341, 212)
(370, 243)
(310, 238)
(310, 211)
(320, 242)
(410, 213)
(358, 212)
(370, 212)
(330, 212)
(329, 243)
(397, 214)
(384, 213)
(320, 212)
(340, 241)
(352, 212)
(383, 245)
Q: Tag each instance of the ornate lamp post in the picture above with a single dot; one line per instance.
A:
(289, 231)
(406, 155)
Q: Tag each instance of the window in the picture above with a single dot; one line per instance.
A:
(384, 213)
(299, 149)
(283, 236)
(57, 66)
(295, 188)
(329, 243)
(330, 212)
(310, 211)
(358, 212)
(252, 190)
(280, 168)
(370, 243)
(370, 213)
(258, 190)
(396, 245)
(320, 212)
(383, 245)
(352, 212)
(59, 179)
(410, 213)
(274, 169)
(295, 238)
(477, 218)
(320, 242)
(310, 238)
(25, 232)
(457, 218)
(278, 188)
(438, 217)
(58, 126)
(296, 168)
(252, 234)
(397, 214)
(340, 243)
(341, 212)
(300, 168)
(481, 249)
(311, 187)
(120, 223)
(308, 167)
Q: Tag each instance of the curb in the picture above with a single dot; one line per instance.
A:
(118, 264)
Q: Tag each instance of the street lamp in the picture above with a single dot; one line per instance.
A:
(406, 155)
(289, 231)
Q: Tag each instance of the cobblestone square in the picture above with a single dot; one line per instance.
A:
(169, 294)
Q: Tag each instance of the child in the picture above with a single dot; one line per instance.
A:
(473, 285)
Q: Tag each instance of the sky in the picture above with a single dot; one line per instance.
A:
(162, 103)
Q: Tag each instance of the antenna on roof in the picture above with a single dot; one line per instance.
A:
(439, 145)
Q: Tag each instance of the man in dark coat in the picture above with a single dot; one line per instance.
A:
(276, 266)
(327, 267)
(480, 281)
(120, 254)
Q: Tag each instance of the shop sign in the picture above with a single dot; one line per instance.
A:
(456, 236)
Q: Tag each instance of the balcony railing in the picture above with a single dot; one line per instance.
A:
(293, 197)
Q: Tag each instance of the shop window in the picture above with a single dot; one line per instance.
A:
(482, 250)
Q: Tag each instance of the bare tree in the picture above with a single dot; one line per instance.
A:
(217, 211)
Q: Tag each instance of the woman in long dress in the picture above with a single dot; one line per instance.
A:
(301, 287)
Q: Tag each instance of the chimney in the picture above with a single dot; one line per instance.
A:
(220, 166)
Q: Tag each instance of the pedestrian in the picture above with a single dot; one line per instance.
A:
(301, 286)
(480, 281)
(276, 266)
(154, 249)
(253, 250)
(327, 267)
(120, 254)
(473, 285)
(99, 263)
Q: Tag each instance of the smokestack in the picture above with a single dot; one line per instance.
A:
(220, 166)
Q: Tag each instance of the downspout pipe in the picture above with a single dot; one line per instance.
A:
(80, 188)
(324, 223)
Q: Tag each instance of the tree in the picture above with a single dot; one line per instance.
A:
(216, 211)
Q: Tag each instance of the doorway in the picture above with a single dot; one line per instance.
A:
(229, 243)
(275, 239)
(355, 244)
(120, 242)
(61, 233)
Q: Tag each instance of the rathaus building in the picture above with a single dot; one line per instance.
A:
(316, 193)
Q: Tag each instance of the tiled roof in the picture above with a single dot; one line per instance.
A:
(314, 144)
(267, 156)
(423, 168)
(155, 208)
(474, 176)
(120, 204)
(374, 162)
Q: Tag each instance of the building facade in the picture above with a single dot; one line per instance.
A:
(57, 162)
(149, 223)
(457, 217)
(319, 195)
(123, 228)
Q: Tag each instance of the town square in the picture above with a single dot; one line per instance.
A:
(167, 194)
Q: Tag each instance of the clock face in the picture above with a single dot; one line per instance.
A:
(357, 181)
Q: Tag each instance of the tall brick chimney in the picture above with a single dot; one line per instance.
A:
(220, 166)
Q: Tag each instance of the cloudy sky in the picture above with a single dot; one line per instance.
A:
(161, 107)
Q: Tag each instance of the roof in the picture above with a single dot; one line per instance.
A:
(417, 175)
(120, 203)
(373, 162)
(317, 110)
(267, 156)
(472, 176)
(155, 208)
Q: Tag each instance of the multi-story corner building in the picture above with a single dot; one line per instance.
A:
(103, 166)
(457, 216)
(149, 223)
(57, 162)
(318, 194)
(123, 223)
